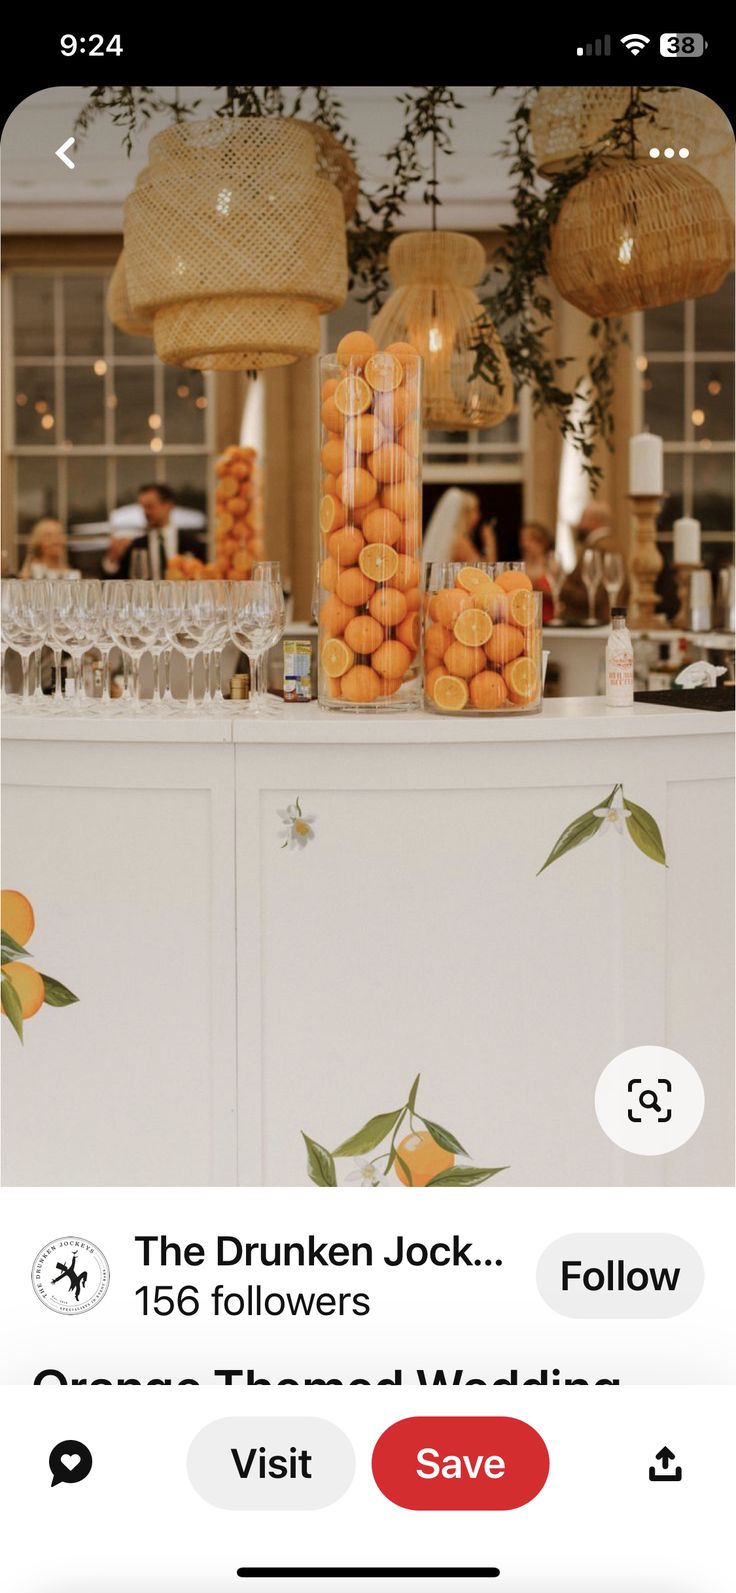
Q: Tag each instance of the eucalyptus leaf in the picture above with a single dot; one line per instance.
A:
(370, 1135)
(405, 1170)
(443, 1137)
(56, 994)
(13, 946)
(13, 1007)
(580, 830)
(463, 1177)
(645, 832)
(412, 1101)
(320, 1165)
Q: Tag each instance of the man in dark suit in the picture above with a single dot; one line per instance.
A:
(161, 540)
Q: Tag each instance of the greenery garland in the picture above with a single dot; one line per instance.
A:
(517, 301)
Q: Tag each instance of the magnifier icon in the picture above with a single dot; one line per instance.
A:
(648, 1100)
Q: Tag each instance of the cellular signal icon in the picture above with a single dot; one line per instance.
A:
(598, 47)
(635, 42)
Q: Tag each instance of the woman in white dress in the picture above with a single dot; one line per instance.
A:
(46, 554)
(449, 534)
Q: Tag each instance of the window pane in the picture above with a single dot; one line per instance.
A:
(131, 474)
(184, 419)
(664, 401)
(188, 478)
(714, 319)
(713, 491)
(672, 507)
(714, 396)
(124, 343)
(84, 299)
(134, 393)
(33, 314)
(37, 491)
(34, 403)
(85, 399)
(87, 490)
(664, 329)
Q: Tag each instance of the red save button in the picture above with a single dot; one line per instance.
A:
(460, 1463)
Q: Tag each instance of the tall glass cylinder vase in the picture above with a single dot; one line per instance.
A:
(370, 526)
(482, 639)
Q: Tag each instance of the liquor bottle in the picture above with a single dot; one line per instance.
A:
(619, 662)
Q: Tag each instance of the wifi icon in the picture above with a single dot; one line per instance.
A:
(635, 42)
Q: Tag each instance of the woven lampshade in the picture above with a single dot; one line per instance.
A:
(336, 164)
(234, 243)
(565, 122)
(636, 234)
(434, 308)
(119, 307)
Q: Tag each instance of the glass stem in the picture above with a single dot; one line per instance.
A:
(207, 684)
(37, 660)
(167, 676)
(77, 673)
(218, 676)
(58, 693)
(136, 673)
(191, 700)
(106, 698)
(126, 676)
(26, 667)
(256, 694)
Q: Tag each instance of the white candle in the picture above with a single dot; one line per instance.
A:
(646, 465)
(687, 541)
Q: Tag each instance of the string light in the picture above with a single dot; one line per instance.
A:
(642, 363)
(47, 421)
(154, 422)
(698, 417)
(21, 400)
(201, 403)
(40, 406)
(156, 445)
(100, 367)
(182, 391)
(714, 386)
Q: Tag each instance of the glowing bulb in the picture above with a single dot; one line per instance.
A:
(714, 386)
(40, 406)
(100, 367)
(625, 251)
(154, 422)
(47, 421)
(698, 417)
(683, 153)
(156, 445)
(21, 399)
(642, 363)
(201, 403)
(434, 339)
(182, 391)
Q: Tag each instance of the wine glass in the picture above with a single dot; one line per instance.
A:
(267, 570)
(140, 567)
(188, 609)
(26, 622)
(220, 638)
(257, 618)
(555, 572)
(134, 624)
(591, 569)
(76, 618)
(160, 648)
(106, 640)
(613, 576)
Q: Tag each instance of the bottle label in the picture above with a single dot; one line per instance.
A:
(620, 679)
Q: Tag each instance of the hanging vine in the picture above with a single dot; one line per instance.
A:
(518, 299)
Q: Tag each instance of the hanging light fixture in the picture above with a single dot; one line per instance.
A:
(567, 122)
(434, 307)
(234, 243)
(119, 307)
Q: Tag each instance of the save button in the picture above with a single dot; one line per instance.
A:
(460, 1463)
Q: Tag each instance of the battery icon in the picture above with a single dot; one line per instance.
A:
(682, 46)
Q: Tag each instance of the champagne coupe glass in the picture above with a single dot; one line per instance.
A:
(26, 623)
(266, 570)
(76, 619)
(188, 609)
(555, 572)
(257, 618)
(591, 569)
(613, 576)
(134, 624)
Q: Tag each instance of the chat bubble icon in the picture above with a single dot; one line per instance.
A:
(70, 1461)
(271, 1463)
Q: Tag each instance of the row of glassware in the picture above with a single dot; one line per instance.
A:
(193, 618)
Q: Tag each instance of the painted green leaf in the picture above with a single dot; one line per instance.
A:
(443, 1137)
(370, 1135)
(413, 1093)
(581, 829)
(645, 832)
(320, 1166)
(463, 1177)
(56, 994)
(405, 1170)
(13, 1007)
(12, 951)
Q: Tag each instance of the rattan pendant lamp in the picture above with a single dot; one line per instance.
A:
(235, 243)
(435, 308)
(119, 307)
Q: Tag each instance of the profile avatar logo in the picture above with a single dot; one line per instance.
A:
(70, 1275)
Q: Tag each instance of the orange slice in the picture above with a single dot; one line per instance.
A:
(378, 561)
(331, 514)
(522, 607)
(514, 581)
(522, 679)
(473, 580)
(384, 372)
(450, 693)
(336, 658)
(353, 396)
(473, 627)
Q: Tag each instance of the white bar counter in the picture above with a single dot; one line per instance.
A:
(234, 991)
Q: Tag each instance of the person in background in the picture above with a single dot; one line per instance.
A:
(162, 539)
(535, 543)
(594, 530)
(47, 555)
(455, 533)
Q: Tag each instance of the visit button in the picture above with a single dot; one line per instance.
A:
(460, 1463)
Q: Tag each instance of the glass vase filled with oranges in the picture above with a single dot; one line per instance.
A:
(482, 639)
(370, 519)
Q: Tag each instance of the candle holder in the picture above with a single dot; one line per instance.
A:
(646, 563)
(682, 574)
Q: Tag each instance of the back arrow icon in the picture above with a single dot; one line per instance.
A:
(61, 152)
